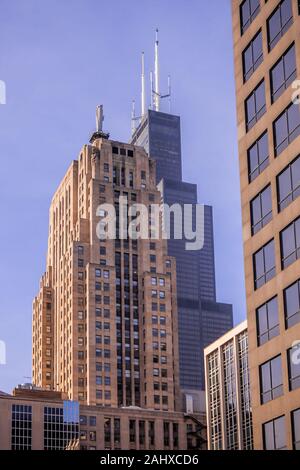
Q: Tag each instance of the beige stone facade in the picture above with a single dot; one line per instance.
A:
(105, 319)
(279, 31)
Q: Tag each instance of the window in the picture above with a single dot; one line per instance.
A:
(274, 434)
(98, 272)
(271, 386)
(261, 210)
(286, 128)
(21, 431)
(264, 264)
(115, 150)
(283, 73)
(288, 184)
(255, 105)
(252, 56)
(106, 167)
(296, 429)
(279, 22)
(249, 9)
(83, 420)
(294, 368)
(290, 244)
(267, 321)
(291, 297)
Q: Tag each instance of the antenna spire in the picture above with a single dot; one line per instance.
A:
(143, 86)
(156, 89)
(133, 118)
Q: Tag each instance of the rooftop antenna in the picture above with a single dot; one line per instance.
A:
(133, 118)
(152, 91)
(156, 65)
(155, 93)
(143, 108)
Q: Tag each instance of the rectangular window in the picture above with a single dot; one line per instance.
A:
(291, 297)
(296, 429)
(283, 73)
(288, 184)
(261, 210)
(267, 321)
(271, 385)
(21, 431)
(286, 128)
(290, 244)
(264, 264)
(249, 9)
(279, 22)
(255, 106)
(252, 56)
(274, 434)
(293, 368)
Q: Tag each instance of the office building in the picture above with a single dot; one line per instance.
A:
(228, 404)
(267, 62)
(198, 311)
(105, 319)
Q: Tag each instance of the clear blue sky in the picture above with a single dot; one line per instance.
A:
(60, 59)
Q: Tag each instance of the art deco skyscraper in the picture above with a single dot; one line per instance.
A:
(105, 318)
(267, 61)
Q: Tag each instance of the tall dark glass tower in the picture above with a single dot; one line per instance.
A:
(201, 318)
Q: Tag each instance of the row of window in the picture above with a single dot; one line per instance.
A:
(264, 264)
(277, 24)
(288, 189)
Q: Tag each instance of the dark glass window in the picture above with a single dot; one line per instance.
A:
(288, 184)
(292, 305)
(279, 22)
(252, 56)
(290, 244)
(261, 210)
(296, 429)
(264, 264)
(271, 386)
(249, 9)
(255, 105)
(21, 427)
(294, 368)
(267, 321)
(258, 157)
(286, 128)
(283, 73)
(275, 434)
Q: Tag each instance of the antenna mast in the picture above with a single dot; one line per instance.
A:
(143, 108)
(156, 65)
(133, 118)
